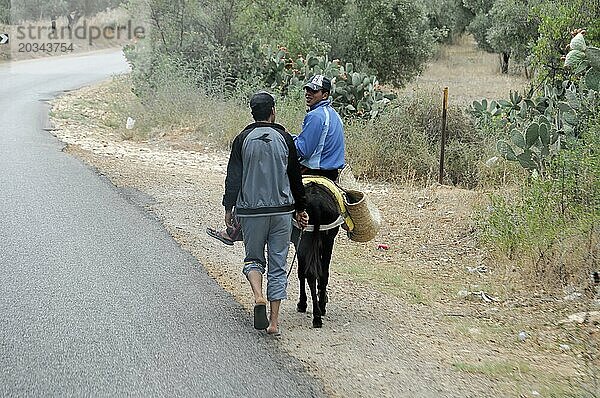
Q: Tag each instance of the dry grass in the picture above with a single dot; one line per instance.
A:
(469, 73)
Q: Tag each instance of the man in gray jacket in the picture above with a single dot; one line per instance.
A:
(264, 184)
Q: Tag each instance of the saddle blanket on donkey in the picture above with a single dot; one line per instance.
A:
(358, 217)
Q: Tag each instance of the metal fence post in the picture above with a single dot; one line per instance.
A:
(443, 146)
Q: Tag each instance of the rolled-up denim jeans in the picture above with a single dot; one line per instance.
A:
(273, 232)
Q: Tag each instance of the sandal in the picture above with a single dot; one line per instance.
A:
(235, 232)
(260, 316)
(219, 235)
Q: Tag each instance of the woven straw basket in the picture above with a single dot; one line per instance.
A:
(365, 217)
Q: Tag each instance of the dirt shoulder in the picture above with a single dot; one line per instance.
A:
(401, 322)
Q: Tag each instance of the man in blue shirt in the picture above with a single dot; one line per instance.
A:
(321, 150)
(321, 144)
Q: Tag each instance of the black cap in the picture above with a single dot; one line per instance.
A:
(318, 82)
(262, 99)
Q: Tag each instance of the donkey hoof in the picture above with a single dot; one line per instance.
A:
(301, 307)
(317, 323)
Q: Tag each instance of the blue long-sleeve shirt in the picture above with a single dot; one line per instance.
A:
(321, 143)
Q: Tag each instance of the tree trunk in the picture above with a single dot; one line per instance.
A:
(504, 57)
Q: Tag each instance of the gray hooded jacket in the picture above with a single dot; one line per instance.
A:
(263, 173)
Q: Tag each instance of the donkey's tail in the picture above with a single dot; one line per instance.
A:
(313, 245)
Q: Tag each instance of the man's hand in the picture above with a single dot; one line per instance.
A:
(228, 218)
(302, 218)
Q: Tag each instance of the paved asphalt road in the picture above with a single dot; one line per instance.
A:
(96, 299)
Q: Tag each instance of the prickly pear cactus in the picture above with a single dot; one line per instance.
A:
(533, 145)
(540, 127)
(353, 93)
(586, 60)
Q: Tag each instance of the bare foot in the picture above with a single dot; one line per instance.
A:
(273, 330)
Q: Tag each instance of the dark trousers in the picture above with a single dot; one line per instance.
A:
(331, 174)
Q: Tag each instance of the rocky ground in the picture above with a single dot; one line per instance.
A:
(429, 316)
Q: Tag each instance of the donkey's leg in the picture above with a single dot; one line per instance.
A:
(328, 240)
(322, 288)
(312, 284)
(301, 307)
(295, 238)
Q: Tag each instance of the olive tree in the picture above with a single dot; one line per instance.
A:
(391, 38)
(449, 18)
(513, 30)
(505, 27)
(481, 22)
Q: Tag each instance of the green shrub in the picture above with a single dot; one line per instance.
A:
(284, 24)
(548, 230)
(537, 128)
(178, 106)
(291, 110)
(229, 41)
(34, 10)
